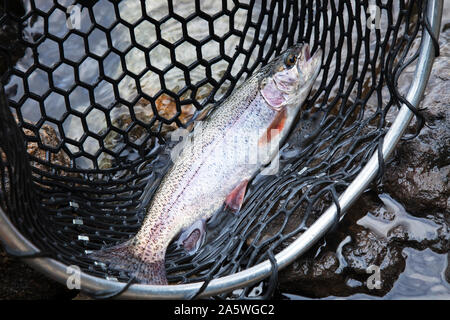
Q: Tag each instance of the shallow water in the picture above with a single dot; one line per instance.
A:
(418, 229)
(135, 59)
(427, 272)
(424, 277)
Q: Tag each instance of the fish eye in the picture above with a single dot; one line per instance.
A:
(291, 59)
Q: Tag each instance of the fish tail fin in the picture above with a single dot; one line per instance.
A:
(121, 257)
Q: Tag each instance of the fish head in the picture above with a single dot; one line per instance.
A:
(288, 78)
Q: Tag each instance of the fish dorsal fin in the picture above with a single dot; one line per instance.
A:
(202, 115)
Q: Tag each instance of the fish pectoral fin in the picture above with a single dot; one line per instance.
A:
(193, 237)
(235, 199)
(274, 128)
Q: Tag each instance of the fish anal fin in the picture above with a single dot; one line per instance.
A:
(235, 199)
(204, 113)
(192, 238)
(200, 116)
(275, 127)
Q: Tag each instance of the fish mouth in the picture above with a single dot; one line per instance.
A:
(308, 65)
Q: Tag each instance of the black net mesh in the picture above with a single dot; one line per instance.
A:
(92, 93)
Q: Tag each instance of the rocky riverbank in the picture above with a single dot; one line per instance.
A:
(412, 212)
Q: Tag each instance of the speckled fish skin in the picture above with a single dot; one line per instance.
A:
(211, 165)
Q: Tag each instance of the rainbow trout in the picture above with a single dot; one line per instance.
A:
(236, 140)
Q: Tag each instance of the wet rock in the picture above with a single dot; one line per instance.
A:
(377, 228)
(82, 296)
(368, 252)
(373, 234)
(418, 175)
(50, 138)
(138, 134)
(166, 108)
(19, 281)
(316, 278)
(342, 265)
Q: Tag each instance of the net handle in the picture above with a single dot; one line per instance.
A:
(16, 242)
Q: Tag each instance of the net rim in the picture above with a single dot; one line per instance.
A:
(14, 241)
